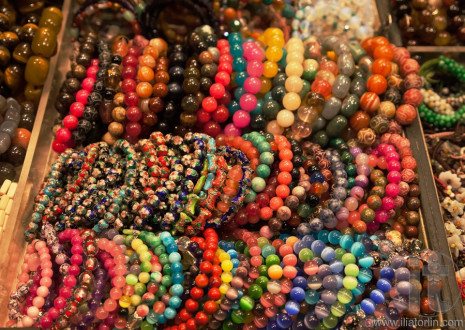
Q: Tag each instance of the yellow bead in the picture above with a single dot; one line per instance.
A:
(270, 69)
(223, 288)
(274, 128)
(274, 53)
(227, 265)
(294, 84)
(144, 277)
(141, 249)
(266, 85)
(276, 40)
(135, 300)
(125, 302)
(218, 252)
(129, 252)
(291, 101)
(285, 118)
(310, 65)
(226, 277)
(136, 243)
(275, 272)
(224, 256)
(294, 69)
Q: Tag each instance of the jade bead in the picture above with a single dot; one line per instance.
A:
(264, 146)
(350, 105)
(166, 280)
(267, 158)
(258, 184)
(321, 138)
(336, 126)
(341, 86)
(304, 210)
(331, 108)
(255, 291)
(263, 171)
(250, 197)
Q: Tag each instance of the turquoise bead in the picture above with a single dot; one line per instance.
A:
(346, 242)
(263, 171)
(357, 249)
(365, 275)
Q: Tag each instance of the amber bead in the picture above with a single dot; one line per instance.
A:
(29, 6)
(359, 120)
(5, 56)
(4, 22)
(22, 138)
(156, 104)
(9, 40)
(108, 138)
(105, 111)
(162, 76)
(79, 71)
(22, 52)
(32, 93)
(37, 70)
(14, 76)
(118, 99)
(115, 129)
(27, 32)
(149, 118)
(118, 114)
(44, 42)
(188, 119)
(51, 17)
(160, 90)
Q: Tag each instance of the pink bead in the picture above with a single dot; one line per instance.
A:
(92, 71)
(116, 293)
(357, 192)
(266, 232)
(76, 259)
(40, 245)
(248, 102)
(59, 303)
(23, 277)
(290, 260)
(88, 84)
(231, 129)
(362, 159)
(70, 281)
(66, 292)
(95, 62)
(393, 165)
(256, 261)
(392, 189)
(118, 281)
(394, 176)
(76, 239)
(310, 267)
(252, 85)
(285, 249)
(109, 305)
(45, 322)
(351, 203)
(381, 216)
(77, 109)
(108, 264)
(77, 249)
(217, 90)
(70, 122)
(289, 272)
(372, 226)
(102, 243)
(81, 96)
(241, 119)
(101, 313)
(342, 214)
(399, 201)
(255, 68)
(54, 312)
(388, 203)
(46, 281)
(111, 272)
(74, 270)
(44, 257)
(248, 46)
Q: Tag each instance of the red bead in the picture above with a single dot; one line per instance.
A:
(201, 318)
(192, 305)
(133, 114)
(222, 43)
(227, 67)
(211, 246)
(215, 281)
(210, 307)
(221, 114)
(131, 99)
(129, 72)
(128, 85)
(321, 86)
(63, 135)
(209, 104)
(81, 96)
(217, 90)
(226, 99)
(216, 270)
(223, 78)
(133, 129)
(131, 61)
(225, 50)
(92, 71)
(252, 209)
(197, 293)
(225, 58)
(191, 325)
(201, 280)
(214, 294)
(212, 128)
(134, 51)
(203, 116)
(184, 315)
(58, 146)
(206, 267)
(70, 122)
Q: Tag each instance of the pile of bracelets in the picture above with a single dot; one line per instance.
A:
(225, 164)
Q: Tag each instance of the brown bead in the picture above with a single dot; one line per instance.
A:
(206, 57)
(118, 99)
(413, 203)
(160, 90)
(156, 104)
(413, 218)
(105, 111)
(108, 138)
(274, 224)
(433, 284)
(149, 118)
(347, 231)
(427, 306)
(162, 76)
(294, 221)
(411, 232)
(118, 114)
(398, 226)
(414, 263)
(414, 190)
(14, 76)
(79, 71)
(359, 120)
(5, 56)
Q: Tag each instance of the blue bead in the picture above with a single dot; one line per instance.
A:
(284, 320)
(368, 306)
(328, 254)
(377, 296)
(346, 241)
(384, 285)
(298, 246)
(366, 260)
(299, 282)
(175, 302)
(292, 308)
(177, 278)
(176, 267)
(357, 249)
(174, 257)
(235, 262)
(162, 318)
(297, 294)
(268, 97)
(387, 272)
(172, 248)
(337, 266)
(334, 237)
(232, 253)
(318, 246)
(258, 108)
(164, 235)
(317, 177)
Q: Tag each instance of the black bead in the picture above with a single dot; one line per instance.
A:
(88, 48)
(72, 85)
(279, 79)
(295, 173)
(313, 200)
(170, 109)
(84, 127)
(99, 86)
(278, 93)
(90, 113)
(178, 58)
(94, 99)
(26, 121)
(108, 94)
(79, 137)
(83, 59)
(117, 59)
(176, 74)
(297, 160)
(174, 91)
(211, 40)
(205, 84)
(313, 168)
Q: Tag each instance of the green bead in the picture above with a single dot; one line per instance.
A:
(166, 280)
(250, 197)
(367, 215)
(267, 158)
(338, 309)
(351, 170)
(246, 303)
(349, 282)
(348, 258)
(336, 143)
(306, 255)
(239, 246)
(272, 260)
(306, 87)
(263, 171)
(351, 270)
(163, 258)
(304, 210)
(264, 146)
(255, 291)
(321, 138)
(340, 253)
(347, 157)
(288, 11)
(262, 241)
(145, 266)
(262, 281)
(238, 316)
(262, 269)
(330, 321)
(235, 25)
(131, 279)
(270, 109)
(167, 269)
(336, 126)
(258, 184)
(309, 75)
(344, 296)
(140, 289)
(146, 326)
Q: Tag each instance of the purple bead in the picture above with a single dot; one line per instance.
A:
(362, 181)
(404, 288)
(328, 296)
(357, 192)
(402, 274)
(311, 321)
(88, 317)
(339, 193)
(342, 214)
(94, 304)
(398, 262)
(355, 151)
(321, 310)
(324, 271)
(334, 204)
(330, 282)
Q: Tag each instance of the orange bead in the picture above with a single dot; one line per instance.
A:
(284, 145)
(353, 216)
(383, 51)
(147, 60)
(317, 188)
(232, 183)
(377, 84)
(254, 162)
(379, 41)
(284, 178)
(282, 191)
(382, 66)
(222, 206)
(229, 14)
(266, 213)
(22, 138)
(370, 101)
(362, 207)
(276, 203)
(151, 50)
(360, 227)
(285, 154)
(236, 173)
(237, 142)
(160, 45)
(145, 73)
(274, 146)
(144, 90)
(286, 166)
(359, 120)
(367, 45)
